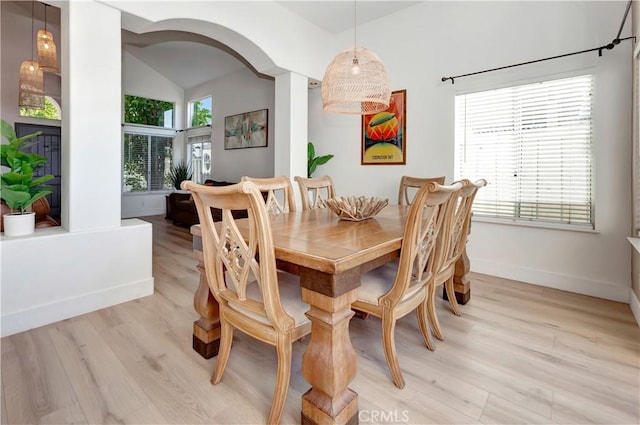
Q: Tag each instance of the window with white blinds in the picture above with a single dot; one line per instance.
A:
(200, 154)
(146, 163)
(533, 144)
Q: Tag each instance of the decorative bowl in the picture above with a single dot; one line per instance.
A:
(356, 208)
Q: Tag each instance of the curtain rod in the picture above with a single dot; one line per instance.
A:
(609, 46)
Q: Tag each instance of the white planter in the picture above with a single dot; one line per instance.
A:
(16, 224)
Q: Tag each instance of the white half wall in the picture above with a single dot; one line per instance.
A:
(72, 273)
(436, 39)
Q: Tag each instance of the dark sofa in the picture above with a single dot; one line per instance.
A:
(182, 210)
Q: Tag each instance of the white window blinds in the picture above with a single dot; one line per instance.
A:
(533, 144)
(147, 159)
(200, 154)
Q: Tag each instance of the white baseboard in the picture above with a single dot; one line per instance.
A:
(143, 212)
(55, 311)
(635, 306)
(577, 284)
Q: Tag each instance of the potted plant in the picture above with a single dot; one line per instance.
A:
(19, 187)
(313, 161)
(178, 173)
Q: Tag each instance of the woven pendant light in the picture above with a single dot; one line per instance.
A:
(356, 82)
(31, 88)
(47, 53)
(31, 93)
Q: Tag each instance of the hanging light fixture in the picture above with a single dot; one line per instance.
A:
(31, 90)
(47, 54)
(356, 82)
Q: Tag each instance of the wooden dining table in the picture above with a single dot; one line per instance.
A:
(329, 255)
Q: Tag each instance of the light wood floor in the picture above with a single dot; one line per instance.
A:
(519, 354)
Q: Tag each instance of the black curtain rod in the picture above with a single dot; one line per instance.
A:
(609, 46)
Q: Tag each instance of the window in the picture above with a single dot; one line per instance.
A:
(147, 160)
(141, 110)
(199, 151)
(533, 145)
(51, 110)
(200, 112)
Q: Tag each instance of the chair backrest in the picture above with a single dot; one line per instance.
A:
(315, 191)
(277, 191)
(410, 185)
(421, 255)
(461, 217)
(231, 261)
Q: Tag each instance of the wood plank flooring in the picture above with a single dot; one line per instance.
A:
(520, 354)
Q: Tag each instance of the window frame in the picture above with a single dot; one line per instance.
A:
(190, 112)
(173, 113)
(148, 131)
(193, 133)
(529, 222)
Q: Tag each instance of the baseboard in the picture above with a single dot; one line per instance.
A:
(143, 212)
(55, 311)
(577, 284)
(635, 306)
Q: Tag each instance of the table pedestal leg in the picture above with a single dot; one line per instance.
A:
(461, 282)
(206, 330)
(329, 362)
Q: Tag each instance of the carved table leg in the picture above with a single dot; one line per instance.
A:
(329, 362)
(461, 282)
(206, 330)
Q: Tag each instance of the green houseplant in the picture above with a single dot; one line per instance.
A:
(178, 173)
(313, 161)
(19, 186)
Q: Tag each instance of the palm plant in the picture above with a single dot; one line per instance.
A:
(178, 173)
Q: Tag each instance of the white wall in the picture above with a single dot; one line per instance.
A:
(94, 260)
(235, 93)
(139, 79)
(435, 39)
(76, 273)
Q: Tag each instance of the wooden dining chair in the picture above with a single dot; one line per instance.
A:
(267, 307)
(277, 193)
(396, 289)
(315, 191)
(455, 244)
(410, 185)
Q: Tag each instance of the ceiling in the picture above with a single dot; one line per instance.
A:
(190, 60)
(338, 16)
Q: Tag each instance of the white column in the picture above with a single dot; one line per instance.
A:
(91, 97)
(291, 132)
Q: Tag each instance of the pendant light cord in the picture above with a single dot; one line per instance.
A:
(45, 16)
(355, 24)
(32, 3)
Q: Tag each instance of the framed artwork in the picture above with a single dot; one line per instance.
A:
(247, 130)
(384, 140)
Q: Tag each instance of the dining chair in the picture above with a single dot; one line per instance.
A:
(277, 193)
(315, 191)
(268, 307)
(398, 288)
(409, 185)
(457, 239)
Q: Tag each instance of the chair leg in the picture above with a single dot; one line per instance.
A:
(451, 295)
(431, 311)
(226, 338)
(424, 325)
(389, 345)
(283, 376)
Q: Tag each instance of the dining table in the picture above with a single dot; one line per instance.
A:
(329, 255)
